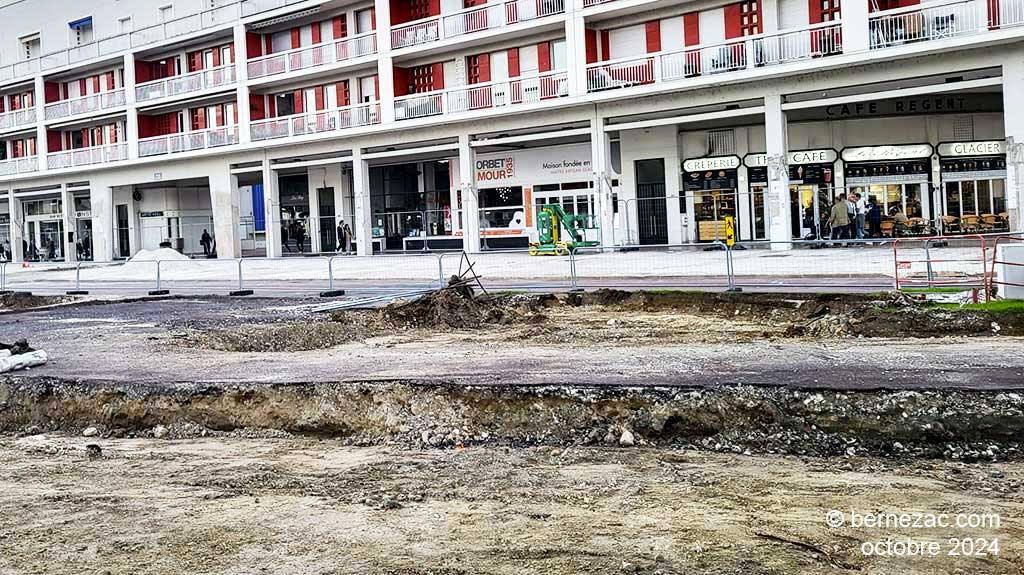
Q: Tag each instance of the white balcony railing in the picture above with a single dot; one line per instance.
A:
(589, 3)
(318, 122)
(184, 84)
(925, 22)
(87, 156)
(482, 96)
(188, 141)
(19, 165)
(85, 104)
(750, 52)
(476, 19)
(17, 118)
(314, 56)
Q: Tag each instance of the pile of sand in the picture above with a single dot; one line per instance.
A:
(162, 254)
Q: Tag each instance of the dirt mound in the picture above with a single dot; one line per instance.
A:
(20, 301)
(448, 308)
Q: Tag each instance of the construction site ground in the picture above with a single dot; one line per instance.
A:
(609, 432)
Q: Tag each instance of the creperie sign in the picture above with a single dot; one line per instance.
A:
(495, 169)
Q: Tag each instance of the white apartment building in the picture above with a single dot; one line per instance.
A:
(127, 125)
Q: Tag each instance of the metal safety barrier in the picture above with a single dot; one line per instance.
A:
(839, 265)
(994, 280)
(956, 269)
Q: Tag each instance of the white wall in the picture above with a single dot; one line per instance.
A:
(712, 26)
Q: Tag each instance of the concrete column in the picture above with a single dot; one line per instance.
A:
(1013, 120)
(470, 198)
(224, 199)
(131, 124)
(363, 231)
(385, 75)
(315, 178)
(102, 200)
(600, 159)
(242, 79)
(271, 211)
(134, 223)
(777, 195)
(856, 36)
(386, 85)
(576, 54)
(67, 203)
(40, 100)
(17, 230)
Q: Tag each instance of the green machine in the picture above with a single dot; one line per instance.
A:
(551, 222)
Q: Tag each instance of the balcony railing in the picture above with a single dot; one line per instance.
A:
(314, 56)
(924, 22)
(476, 19)
(19, 166)
(188, 141)
(589, 3)
(187, 83)
(482, 96)
(318, 122)
(85, 104)
(87, 156)
(17, 118)
(751, 52)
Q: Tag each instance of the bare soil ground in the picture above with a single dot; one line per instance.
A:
(301, 506)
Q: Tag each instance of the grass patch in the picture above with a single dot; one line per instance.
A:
(1015, 306)
(936, 290)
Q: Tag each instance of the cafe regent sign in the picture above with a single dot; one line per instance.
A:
(800, 157)
(716, 163)
(887, 153)
(987, 148)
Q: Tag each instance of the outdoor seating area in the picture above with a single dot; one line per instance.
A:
(976, 224)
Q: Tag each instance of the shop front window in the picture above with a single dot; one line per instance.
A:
(953, 199)
(998, 197)
(502, 208)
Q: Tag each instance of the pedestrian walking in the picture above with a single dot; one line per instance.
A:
(839, 218)
(300, 237)
(205, 240)
(862, 212)
(284, 239)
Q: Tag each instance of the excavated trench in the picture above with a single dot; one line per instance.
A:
(966, 425)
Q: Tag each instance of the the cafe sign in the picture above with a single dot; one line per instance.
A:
(986, 148)
(801, 157)
(887, 153)
(715, 163)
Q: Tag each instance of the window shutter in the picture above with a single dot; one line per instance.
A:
(606, 45)
(296, 38)
(195, 61)
(437, 75)
(342, 93)
(691, 29)
(112, 134)
(340, 24)
(590, 36)
(318, 97)
(110, 80)
(216, 58)
(544, 57)
(513, 63)
(316, 32)
(653, 32)
(218, 115)
(298, 107)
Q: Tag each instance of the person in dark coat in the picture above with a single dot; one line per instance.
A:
(300, 237)
(874, 218)
(205, 240)
(284, 239)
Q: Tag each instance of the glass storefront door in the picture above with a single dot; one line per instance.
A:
(711, 207)
(811, 210)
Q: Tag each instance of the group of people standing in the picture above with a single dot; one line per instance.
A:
(853, 217)
(296, 232)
